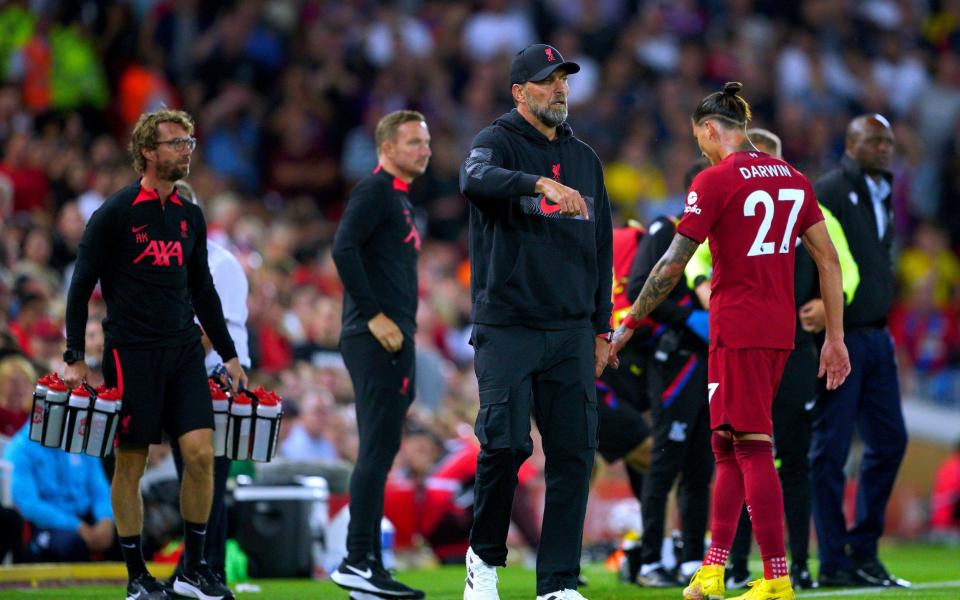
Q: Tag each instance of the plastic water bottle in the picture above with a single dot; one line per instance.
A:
(77, 417)
(238, 427)
(221, 408)
(266, 426)
(103, 423)
(36, 413)
(54, 411)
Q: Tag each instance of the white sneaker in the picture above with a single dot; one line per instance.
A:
(565, 594)
(481, 579)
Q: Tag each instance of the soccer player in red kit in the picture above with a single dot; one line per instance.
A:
(752, 207)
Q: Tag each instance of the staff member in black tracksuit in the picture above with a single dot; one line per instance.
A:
(858, 193)
(677, 388)
(375, 250)
(541, 259)
(148, 249)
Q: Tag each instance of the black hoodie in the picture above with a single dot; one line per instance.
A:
(529, 265)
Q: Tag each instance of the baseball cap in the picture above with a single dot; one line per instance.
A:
(536, 62)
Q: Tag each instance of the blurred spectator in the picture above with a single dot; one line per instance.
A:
(66, 237)
(17, 380)
(31, 188)
(945, 497)
(497, 27)
(65, 498)
(32, 310)
(307, 440)
(929, 262)
(232, 140)
(35, 260)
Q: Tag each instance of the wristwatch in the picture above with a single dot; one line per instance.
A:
(72, 356)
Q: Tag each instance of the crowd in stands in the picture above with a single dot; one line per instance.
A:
(286, 93)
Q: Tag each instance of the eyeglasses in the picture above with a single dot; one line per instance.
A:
(179, 144)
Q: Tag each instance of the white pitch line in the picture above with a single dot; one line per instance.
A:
(877, 590)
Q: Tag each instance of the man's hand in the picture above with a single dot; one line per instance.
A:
(834, 362)
(620, 338)
(601, 351)
(74, 374)
(102, 535)
(86, 534)
(813, 318)
(238, 378)
(703, 294)
(386, 331)
(570, 201)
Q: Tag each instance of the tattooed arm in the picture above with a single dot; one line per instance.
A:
(662, 279)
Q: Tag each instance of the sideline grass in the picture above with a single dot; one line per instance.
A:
(934, 569)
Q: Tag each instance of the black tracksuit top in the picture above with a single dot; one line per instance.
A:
(151, 260)
(375, 250)
(844, 191)
(529, 265)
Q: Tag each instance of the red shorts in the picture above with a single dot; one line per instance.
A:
(741, 385)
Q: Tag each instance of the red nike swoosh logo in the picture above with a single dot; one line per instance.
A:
(547, 207)
(141, 228)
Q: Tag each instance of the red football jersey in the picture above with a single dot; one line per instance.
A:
(752, 207)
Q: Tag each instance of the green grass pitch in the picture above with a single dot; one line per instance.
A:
(934, 570)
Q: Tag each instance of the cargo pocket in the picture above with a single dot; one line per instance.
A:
(493, 420)
(591, 418)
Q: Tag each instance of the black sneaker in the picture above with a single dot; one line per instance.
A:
(737, 579)
(200, 582)
(146, 587)
(369, 575)
(872, 570)
(842, 578)
(801, 579)
(658, 577)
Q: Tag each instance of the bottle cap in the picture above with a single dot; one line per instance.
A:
(269, 399)
(57, 385)
(110, 394)
(216, 392)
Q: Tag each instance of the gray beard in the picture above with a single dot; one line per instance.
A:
(550, 118)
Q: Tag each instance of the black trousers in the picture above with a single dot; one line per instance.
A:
(215, 546)
(551, 374)
(383, 383)
(869, 400)
(791, 441)
(681, 446)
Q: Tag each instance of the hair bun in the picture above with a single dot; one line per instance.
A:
(732, 88)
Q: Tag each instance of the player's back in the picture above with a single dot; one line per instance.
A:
(752, 207)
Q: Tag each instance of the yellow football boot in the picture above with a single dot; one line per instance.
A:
(706, 584)
(769, 589)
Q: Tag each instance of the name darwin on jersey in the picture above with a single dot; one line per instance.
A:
(765, 171)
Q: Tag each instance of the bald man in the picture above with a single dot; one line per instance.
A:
(858, 194)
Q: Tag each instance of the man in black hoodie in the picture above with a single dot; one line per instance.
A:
(541, 254)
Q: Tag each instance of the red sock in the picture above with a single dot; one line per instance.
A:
(764, 502)
(727, 501)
